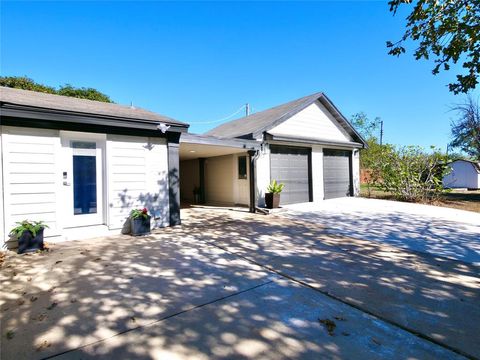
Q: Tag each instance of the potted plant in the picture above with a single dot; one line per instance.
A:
(140, 222)
(272, 196)
(196, 195)
(29, 235)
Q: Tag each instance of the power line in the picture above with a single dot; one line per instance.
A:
(219, 120)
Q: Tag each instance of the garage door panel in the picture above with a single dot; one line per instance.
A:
(290, 166)
(336, 173)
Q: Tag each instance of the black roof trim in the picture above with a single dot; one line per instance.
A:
(349, 144)
(29, 112)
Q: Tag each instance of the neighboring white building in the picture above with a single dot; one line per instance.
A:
(464, 174)
(81, 165)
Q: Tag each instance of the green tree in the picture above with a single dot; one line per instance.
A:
(368, 128)
(25, 83)
(465, 130)
(369, 157)
(83, 93)
(446, 30)
(411, 174)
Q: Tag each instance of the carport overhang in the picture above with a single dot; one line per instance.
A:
(194, 146)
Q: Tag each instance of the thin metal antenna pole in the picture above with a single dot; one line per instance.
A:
(381, 132)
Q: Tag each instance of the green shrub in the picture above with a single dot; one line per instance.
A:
(275, 188)
(411, 174)
(26, 225)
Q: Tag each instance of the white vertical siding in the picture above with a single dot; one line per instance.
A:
(263, 174)
(3, 236)
(31, 177)
(137, 176)
(313, 122)
(463, 175)
(356, 172)
(317, 173)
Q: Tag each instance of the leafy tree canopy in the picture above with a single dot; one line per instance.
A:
(465, 129)
(446, 30)
(25, 83)
(368, 128)
(411, 174)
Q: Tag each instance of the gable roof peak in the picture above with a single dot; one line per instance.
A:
(255, 125)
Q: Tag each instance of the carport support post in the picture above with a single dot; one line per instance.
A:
(173, 145)
(251, 156)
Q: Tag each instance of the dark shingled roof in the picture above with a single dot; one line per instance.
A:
(253, 126)
(80, 106)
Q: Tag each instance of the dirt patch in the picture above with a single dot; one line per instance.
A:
(456, 199)
(463, 200)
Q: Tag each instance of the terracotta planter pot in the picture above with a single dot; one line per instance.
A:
(272, 201)
(140, 226)
(29, 243)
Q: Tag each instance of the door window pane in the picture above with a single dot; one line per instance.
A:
(84, 185)
(83, 145)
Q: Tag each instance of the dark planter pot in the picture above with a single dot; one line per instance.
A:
(140, 226)
(29, 243)
(196, 199)
(272, 201)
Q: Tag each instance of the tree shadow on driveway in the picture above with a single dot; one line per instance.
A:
(417, 232)
(84, 294)
(86, 291)
(433, 296)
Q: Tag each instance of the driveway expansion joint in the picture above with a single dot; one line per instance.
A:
(353, 305)
(159, 320)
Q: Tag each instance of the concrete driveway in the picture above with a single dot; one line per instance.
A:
(434, 230)
(228, 284)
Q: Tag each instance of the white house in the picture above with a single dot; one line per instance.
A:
(307, 144)
(81, 165)
(464, 174)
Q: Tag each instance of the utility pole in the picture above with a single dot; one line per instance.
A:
(247, 109)
(381, 132)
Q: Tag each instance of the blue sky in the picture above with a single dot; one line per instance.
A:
(201, 61)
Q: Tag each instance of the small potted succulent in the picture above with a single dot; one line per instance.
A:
(140, 222)
(29, 235)
(272, 196)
